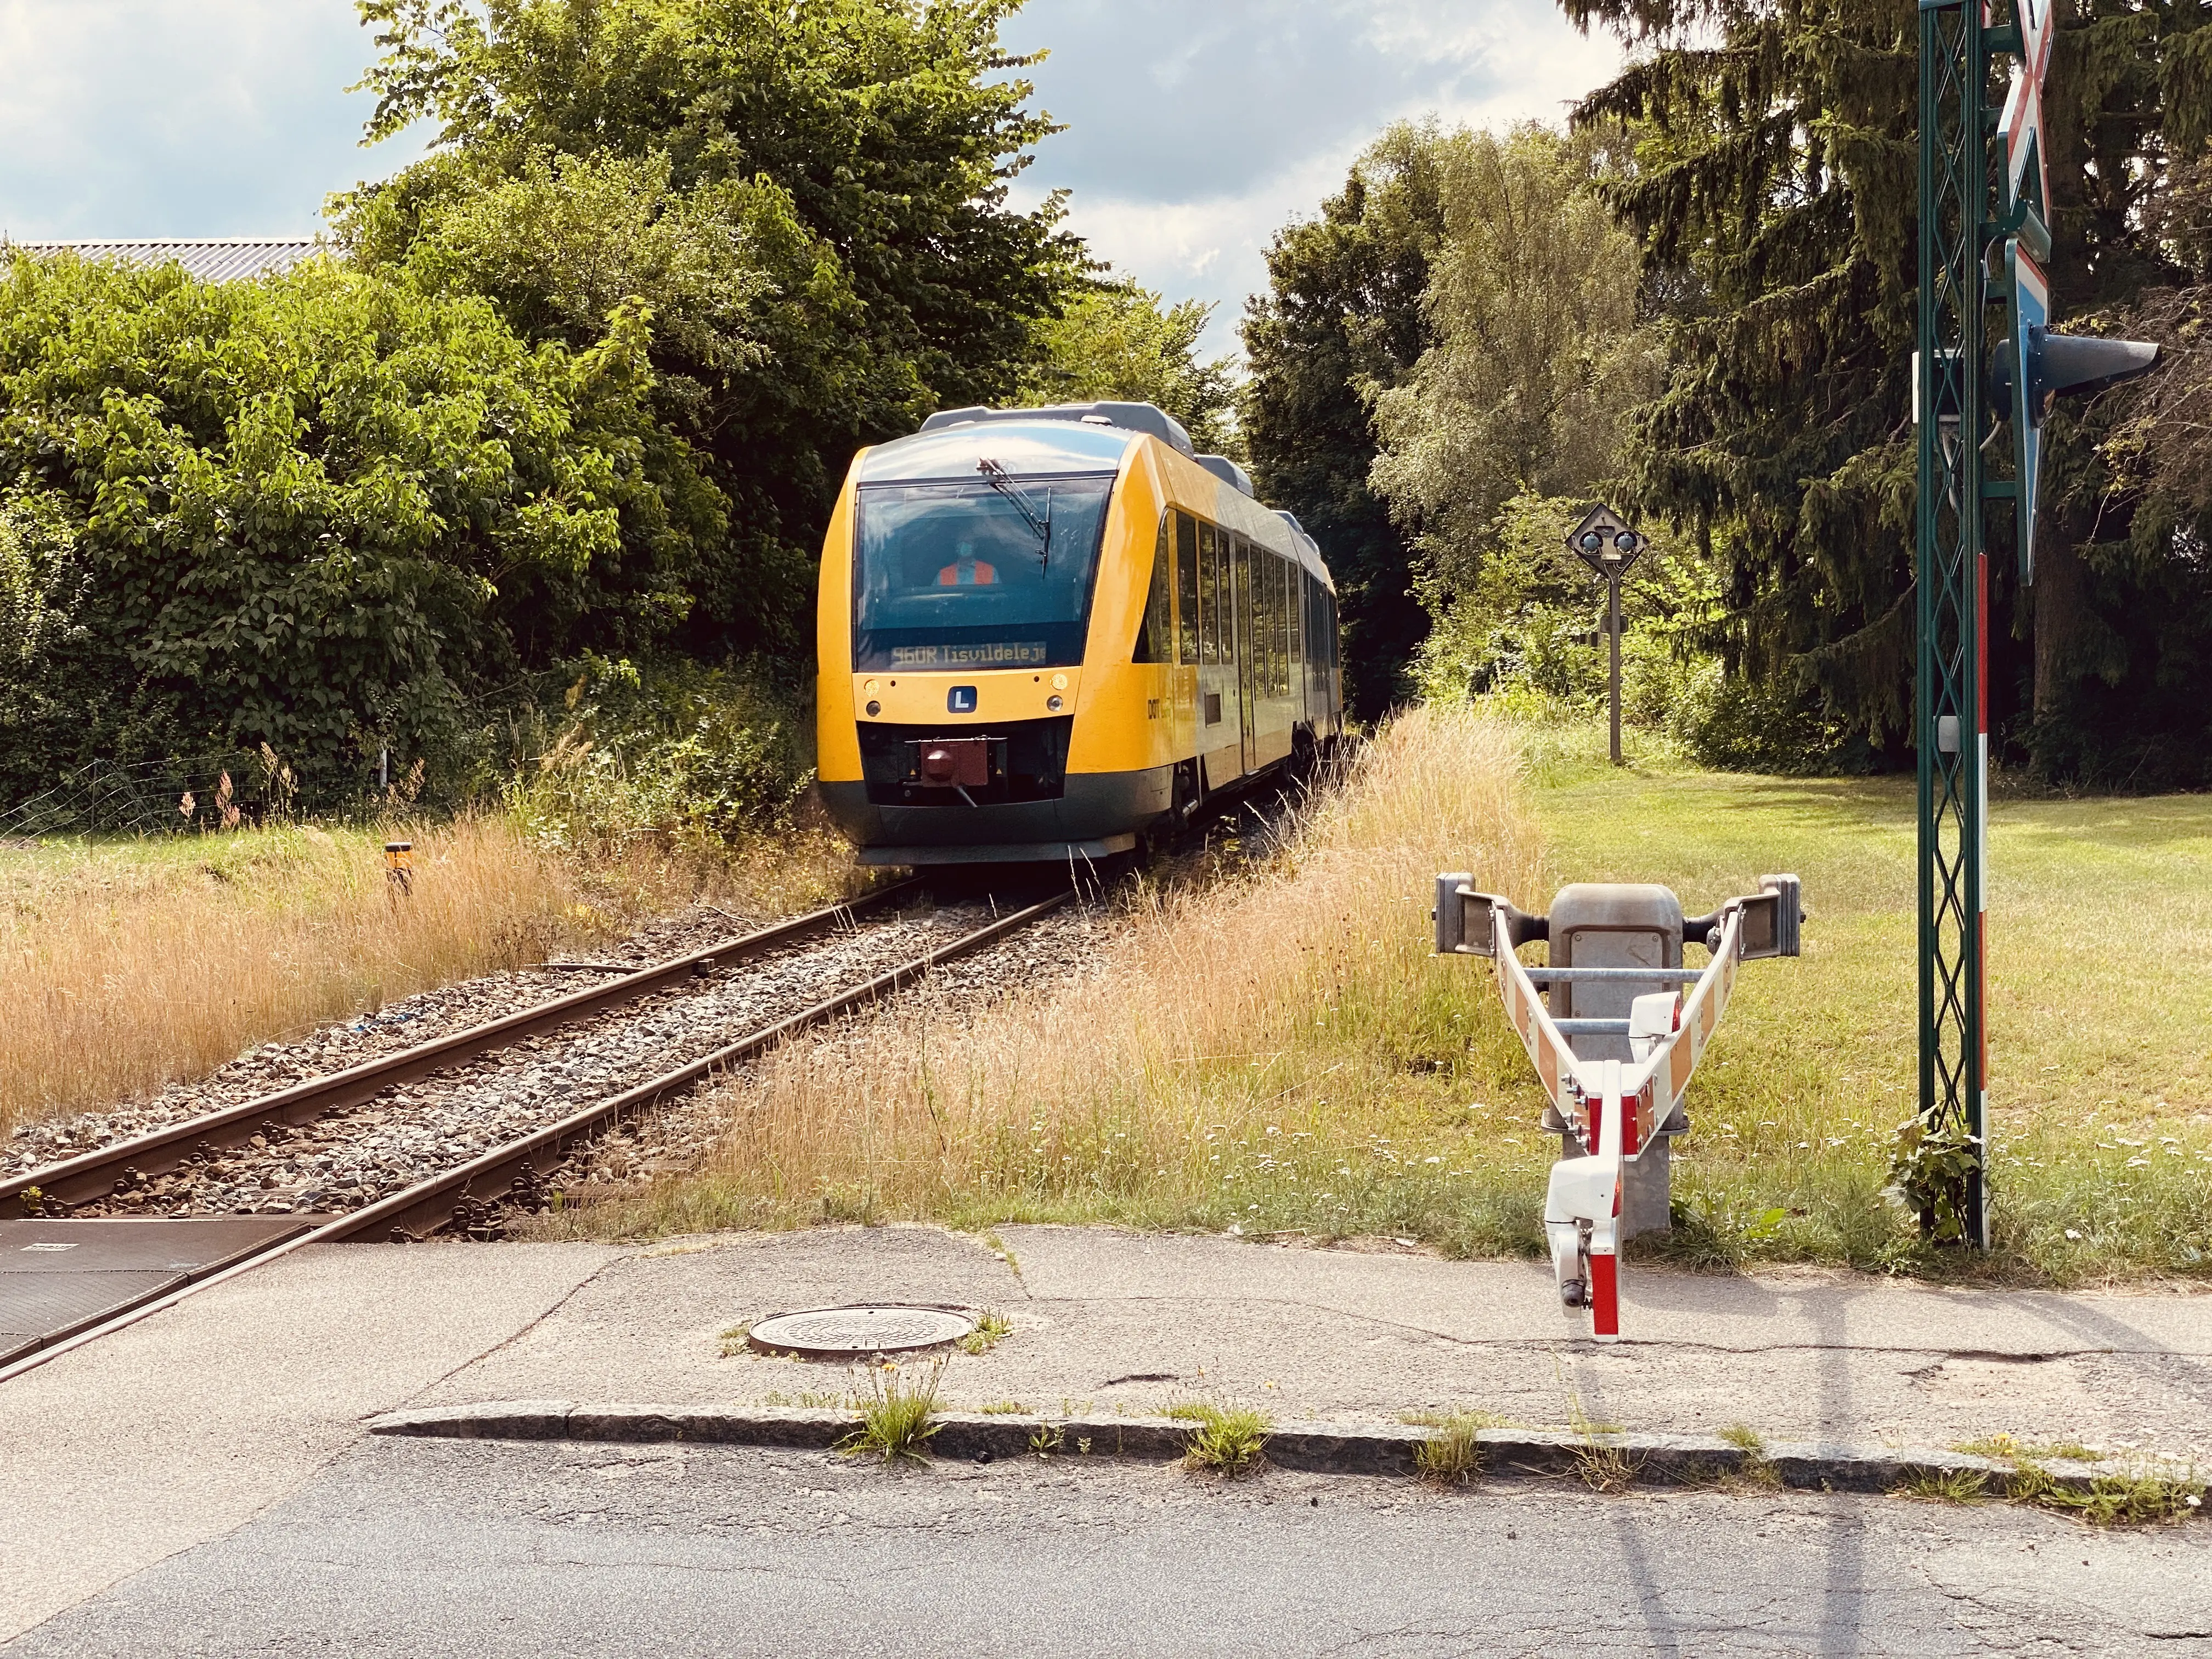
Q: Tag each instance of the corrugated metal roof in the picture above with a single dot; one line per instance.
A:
(211, 260)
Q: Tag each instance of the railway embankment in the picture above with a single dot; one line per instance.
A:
(1274, 1054)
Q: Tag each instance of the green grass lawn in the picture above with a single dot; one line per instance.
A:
(2100, 1010)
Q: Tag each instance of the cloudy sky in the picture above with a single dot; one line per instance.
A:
(1189, 141)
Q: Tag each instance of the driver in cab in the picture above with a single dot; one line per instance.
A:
(968, 571)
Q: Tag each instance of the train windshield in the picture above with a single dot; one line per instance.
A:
(995, 574)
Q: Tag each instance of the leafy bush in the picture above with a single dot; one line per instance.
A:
(1525, 617)
(685, 757)
(319, 511)
(1523, 629)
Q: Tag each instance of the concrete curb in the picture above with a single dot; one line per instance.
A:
(1314, 1447)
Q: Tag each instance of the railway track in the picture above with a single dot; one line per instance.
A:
(147, 1177)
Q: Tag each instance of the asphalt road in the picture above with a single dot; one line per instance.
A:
(429, 1548)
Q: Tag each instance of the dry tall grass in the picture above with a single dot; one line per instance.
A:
(127, 965)
(1269, 1047)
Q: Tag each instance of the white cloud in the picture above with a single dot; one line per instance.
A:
(1189, 145)
(180, 118)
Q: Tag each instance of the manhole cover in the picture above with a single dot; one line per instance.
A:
(854, 1332)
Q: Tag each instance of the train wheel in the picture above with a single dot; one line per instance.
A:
(1188, 796)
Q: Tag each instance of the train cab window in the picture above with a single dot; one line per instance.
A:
(1186, 562)
(994, 574)
(1156, 633)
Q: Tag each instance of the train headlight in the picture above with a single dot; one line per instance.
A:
(875, 708)
(1053, 703)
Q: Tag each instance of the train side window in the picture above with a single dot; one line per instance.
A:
(1231, 630)
(1209, 595)
(1236, 648)
(1273, 580)
(1155, 632)
(1186, 564)
(1271, 585)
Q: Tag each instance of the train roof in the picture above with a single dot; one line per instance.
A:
(1066, 438)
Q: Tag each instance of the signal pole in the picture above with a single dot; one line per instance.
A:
(1611, 549)
(1952, 597)
(1960, 389)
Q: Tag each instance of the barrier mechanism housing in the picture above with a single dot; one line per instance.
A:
(1615, 1032)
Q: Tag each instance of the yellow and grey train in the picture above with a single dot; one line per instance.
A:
(1045, 634)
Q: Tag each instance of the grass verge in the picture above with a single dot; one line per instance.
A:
(1278, 1055)
(2101, 1099)
(1279, 1052)
(127, 965)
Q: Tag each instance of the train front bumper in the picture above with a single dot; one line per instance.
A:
(1097, 815)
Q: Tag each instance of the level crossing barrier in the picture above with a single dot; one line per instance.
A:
(1615, 1043)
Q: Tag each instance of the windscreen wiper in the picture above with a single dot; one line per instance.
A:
(1040, 523)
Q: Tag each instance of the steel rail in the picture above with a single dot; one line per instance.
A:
(545, 1147)
(91, 1176)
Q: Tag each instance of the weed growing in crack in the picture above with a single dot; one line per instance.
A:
(2137, 1498)
(2015, 1450)
(992, 1327)
(1754, 1467)
(1946, 1486)
(1604, 1467)
(896, 1416)
(1231, 1440)
(1452, 1455)
(999, 1248)
(1004, 1408)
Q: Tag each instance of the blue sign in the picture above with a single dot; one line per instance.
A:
(960, 700)
(2030, 318)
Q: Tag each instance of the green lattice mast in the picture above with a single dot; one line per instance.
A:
(1959, 389)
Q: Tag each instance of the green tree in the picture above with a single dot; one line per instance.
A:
(319, 511)
(1774, 192)
(1539, 350)
(1343, 315)
(1122, 342)
(811, 195)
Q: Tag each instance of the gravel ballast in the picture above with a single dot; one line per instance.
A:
(356, 1156)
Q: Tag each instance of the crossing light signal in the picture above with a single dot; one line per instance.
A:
(2033, 367)
(2065, 366)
